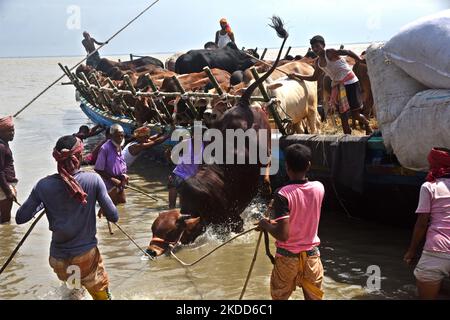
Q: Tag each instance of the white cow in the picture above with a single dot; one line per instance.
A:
(169, 64)
(297, 102)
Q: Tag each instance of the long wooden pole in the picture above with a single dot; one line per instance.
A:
(11, 257)
(101, 46)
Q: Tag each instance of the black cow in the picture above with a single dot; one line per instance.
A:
(110, 67)
(229, 58)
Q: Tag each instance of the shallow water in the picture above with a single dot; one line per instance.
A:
(349, 246)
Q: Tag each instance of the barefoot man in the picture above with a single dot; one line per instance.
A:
(69, 198)
(7, 173)
(89, 44)
(346, 89)
(111, 166)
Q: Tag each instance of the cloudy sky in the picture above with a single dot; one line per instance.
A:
(54, 27)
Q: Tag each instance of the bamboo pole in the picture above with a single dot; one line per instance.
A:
(264, 53)
(261, 85)
(104, 96)
(172, 94)
(155, 90)
(273, 111)
(287, 52)
(129, 84)
(213, 80)
(91, 91)
(188, 102)
(122, 102)
(16, 249)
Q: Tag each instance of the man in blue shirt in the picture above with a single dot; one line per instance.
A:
(69, 198)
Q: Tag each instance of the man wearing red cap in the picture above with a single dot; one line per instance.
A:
(7, 173)
(433, 225)
(224, 35)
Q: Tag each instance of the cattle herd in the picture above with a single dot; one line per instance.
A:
(297, 101)
(218, 193)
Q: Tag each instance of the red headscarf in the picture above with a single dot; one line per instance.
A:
(6, 123)
(439, 164)
(68, 163)
(227, 28)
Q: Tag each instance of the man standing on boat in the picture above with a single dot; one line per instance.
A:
(346, 89)
(69, 198)
(89, 44)
(111, 166)
(224, 35)
(7, 173)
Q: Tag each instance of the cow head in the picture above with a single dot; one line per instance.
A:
(170, 228)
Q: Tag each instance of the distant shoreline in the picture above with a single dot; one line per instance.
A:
(171, 52)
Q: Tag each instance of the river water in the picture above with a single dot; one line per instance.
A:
(349, 246)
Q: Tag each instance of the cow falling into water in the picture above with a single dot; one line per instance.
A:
(218, 194)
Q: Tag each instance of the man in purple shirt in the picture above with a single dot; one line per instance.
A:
(7, 173)
(187, 166)
(69, 199)
(111, 166)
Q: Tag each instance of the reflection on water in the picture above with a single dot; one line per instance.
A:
(349, 247)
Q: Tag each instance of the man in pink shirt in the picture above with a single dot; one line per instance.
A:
(295, 211)
(433, 220)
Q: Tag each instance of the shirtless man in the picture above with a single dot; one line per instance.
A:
(89, 45)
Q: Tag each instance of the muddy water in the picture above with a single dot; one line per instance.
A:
(349, 246)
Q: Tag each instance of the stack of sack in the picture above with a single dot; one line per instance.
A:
(410, 77)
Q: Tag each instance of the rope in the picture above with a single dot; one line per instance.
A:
(89, 55)
(134, 242)
(211, 252)
(141, 192)
(244, 288)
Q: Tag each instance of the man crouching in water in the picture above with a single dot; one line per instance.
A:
(69, 198)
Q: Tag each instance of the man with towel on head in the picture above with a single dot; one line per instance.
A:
(224, 35)
(8, 179)
(69, 198)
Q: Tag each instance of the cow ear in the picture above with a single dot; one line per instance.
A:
(181, 221)
(274, 86)
(192, 223)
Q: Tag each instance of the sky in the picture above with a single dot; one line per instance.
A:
(54, 27)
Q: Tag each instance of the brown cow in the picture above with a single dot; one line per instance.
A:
(218, 193)
(192, 82)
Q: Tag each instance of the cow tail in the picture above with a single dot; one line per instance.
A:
(278, 25)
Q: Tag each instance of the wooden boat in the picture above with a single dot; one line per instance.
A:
(387, 191)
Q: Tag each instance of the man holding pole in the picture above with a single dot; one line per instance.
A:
(7, 173)
(89, 44)
(69, 198)
(111, 165)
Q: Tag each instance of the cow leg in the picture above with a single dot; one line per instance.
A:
(312, 119)
(297, 128)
